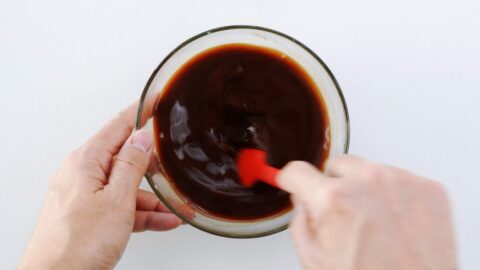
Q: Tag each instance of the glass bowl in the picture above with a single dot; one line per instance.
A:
(252, 35)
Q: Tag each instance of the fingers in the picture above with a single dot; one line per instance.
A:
(105, 144)
(304, 235)
(155, 221)
(147, 201)
(299, 178)
(112, 136)
(344, 166)
(131, 164)
(300, 227)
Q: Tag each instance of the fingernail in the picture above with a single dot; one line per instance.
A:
(142, 140)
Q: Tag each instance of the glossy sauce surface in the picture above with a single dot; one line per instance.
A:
(231, 97)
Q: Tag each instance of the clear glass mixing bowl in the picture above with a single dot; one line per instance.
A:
(253, 35)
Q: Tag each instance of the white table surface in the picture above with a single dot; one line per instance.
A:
(409, 70)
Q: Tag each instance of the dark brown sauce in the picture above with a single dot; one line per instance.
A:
(231, 97)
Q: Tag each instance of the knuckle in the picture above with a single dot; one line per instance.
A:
(119, 115)
(131, 161)
(292, 169)
(343, 159)
(404, 178)
(128, 163)
(436, 188)
(374, 173)
(438, 198)
(336, 161)
(116, 117)
(80, 154)
(296, 166)
(73, 156)
(89, 150)
(83, 159)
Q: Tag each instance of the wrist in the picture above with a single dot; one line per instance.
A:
(46, 251)
(34, 259)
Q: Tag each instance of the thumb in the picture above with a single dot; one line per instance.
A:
(299, 178)
(131, 163)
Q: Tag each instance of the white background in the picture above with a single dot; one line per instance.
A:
(409, 69)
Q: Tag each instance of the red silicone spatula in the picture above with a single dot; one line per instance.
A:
(252, 166)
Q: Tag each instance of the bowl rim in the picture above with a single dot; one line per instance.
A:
(226, 28)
